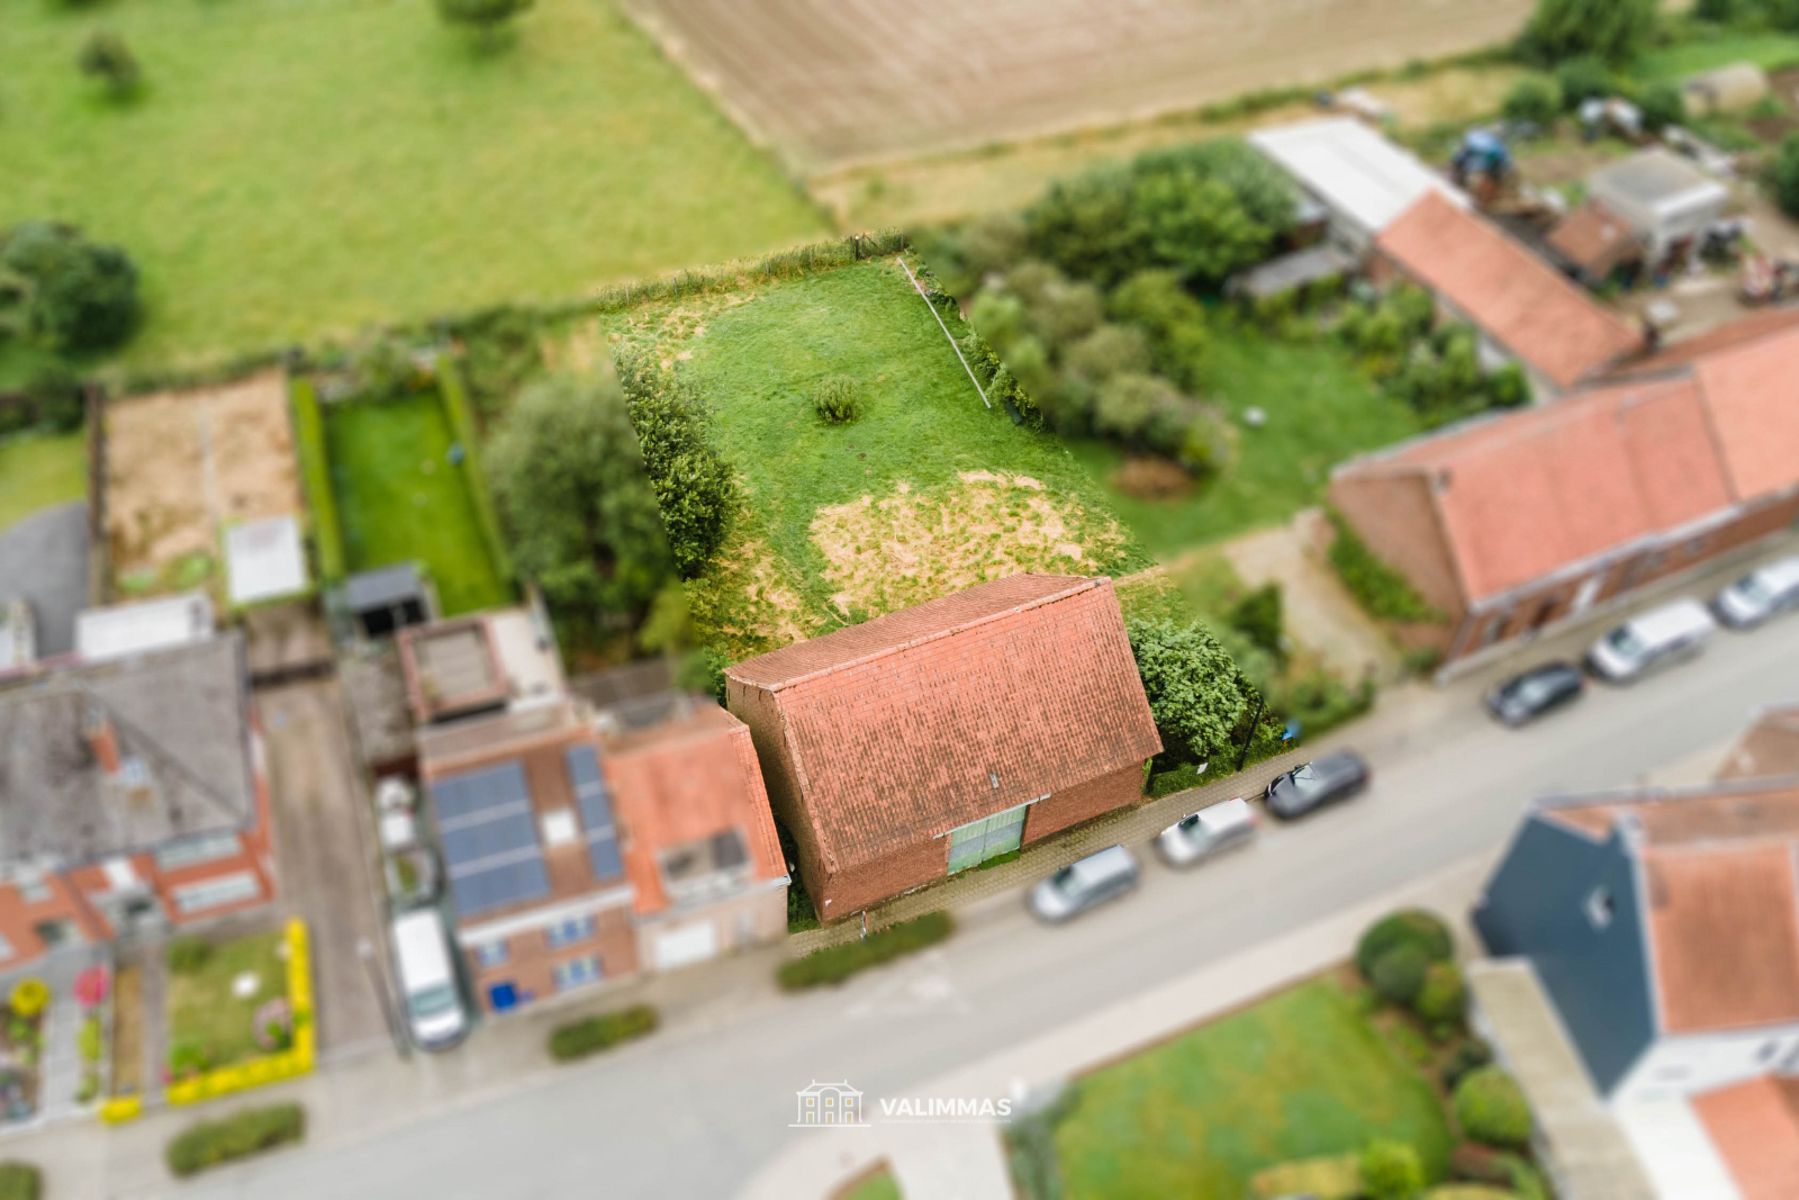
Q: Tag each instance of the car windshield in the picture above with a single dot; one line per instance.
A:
(1190, 824)
(1755, 589)
(1625, 642)
(1064, 881)
(1533, 689)
(432, 1002)
(1308, 779)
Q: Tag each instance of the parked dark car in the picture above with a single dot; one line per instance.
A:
(1337, 776)
(1542, 689)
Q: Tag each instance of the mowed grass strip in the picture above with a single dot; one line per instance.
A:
(1298, 1075)
(38, 470)
(1320, 410)
(921, 427)
(399, 498)
(298, 169)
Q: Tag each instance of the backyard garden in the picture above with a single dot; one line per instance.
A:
(227, 1001)
(38, 470)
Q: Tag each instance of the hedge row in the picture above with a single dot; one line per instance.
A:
(1378, 588)
(578, 1039)
(20, 1181)
(315, 471)
(240, 1135)
(834, 964)
(454, 390)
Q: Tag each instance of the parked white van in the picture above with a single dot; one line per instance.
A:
(1649, 640)
(1083, 884)
(434, 1011)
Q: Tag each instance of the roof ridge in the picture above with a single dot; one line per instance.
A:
(1082, 583)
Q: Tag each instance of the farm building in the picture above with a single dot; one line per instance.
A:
(1363, 181)
(1524, 309)
(1666, 200)
(1593, 243)
(1513, 524)
(934, 739)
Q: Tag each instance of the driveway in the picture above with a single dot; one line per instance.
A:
(44, 559)
(324, 856)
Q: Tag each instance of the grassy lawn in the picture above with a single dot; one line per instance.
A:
(38, 470)
(1300, 1074)
(1765, 48)
(879, 1186)
(925, 492)
(399, 498)
(206, 1012)
(293, 169)
(1320, 409)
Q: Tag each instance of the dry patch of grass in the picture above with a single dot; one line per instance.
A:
(912, 546)
(747, 603)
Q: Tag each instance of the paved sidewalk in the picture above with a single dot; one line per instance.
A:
(966, 1162)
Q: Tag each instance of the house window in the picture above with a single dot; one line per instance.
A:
(577, 972)
(567, 933)
(705, 867)
(491, 954)
(216, 893)
(1767, 1052)
(33, 889)
(5, 948)
(120, 874)
(1600, 907)
(979, 841)
(189, 851)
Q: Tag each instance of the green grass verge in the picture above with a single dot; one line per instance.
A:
(315, 476)
(881, 1185)
(578, 1039)
(291, 170)
(1717, 48)
(38, 470)
(1321, 409)
(400, 498)
(461, 417)
(211, 1026)
(1299, 1075)
(1380, 589)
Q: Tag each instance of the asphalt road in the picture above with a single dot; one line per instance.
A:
(696, 1110)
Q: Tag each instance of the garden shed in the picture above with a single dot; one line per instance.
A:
(1364, 180)
(388, 599)
(1665, 199)
(264, 560)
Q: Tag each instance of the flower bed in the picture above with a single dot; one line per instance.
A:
(21, 1048)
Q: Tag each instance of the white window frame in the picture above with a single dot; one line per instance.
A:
(204, 895)
(590, 972)
(492, 954)
(571, 931)
(201, 848)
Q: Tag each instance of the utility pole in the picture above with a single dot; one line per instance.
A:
(1250, 737)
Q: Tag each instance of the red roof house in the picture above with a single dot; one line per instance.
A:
(930, 740)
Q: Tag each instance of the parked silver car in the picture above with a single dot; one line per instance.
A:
(1209, 832)
(1765, 592)
(1083, 884)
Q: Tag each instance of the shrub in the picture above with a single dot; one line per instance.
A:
(1583, 79)
(1663, 104)
(1197, 693)
(1259, 618)
(89, 1039)
(1608, 30)
(1470, 1056)
(578, 1039)
(1107, 351)
(1534, 98)
(1407, 927)
(105, 57)
(20, 1181)
(834, 964)
(78, 295)
(29, 997)
(250, 1131)
(1442, 1000)
(1478, 1163)
(834, 400)
(1491, 1108)
(1784, 175)
(1391, 1171)
(484, 17)
(1320, 702)
(1398, 974)
(696, 491)
(189, 954)
(1378, 588)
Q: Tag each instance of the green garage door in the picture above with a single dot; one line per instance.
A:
(976, 842)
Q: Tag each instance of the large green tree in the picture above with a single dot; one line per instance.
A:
(695, 488)
(63, 291)
(485, 17)
(579, 509)
(1200, 699)
(1614, 30)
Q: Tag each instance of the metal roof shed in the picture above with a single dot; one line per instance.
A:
(1665, 198)
(387, 598)
(264, 560)
(1364, 179)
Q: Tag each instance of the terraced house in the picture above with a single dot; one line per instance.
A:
(121, 812)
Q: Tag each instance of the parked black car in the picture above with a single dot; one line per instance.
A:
(1542, 689)
(1337, 776)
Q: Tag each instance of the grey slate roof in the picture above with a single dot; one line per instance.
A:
(180, 715)
(383, 586)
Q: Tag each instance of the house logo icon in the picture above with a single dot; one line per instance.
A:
(828, 1106)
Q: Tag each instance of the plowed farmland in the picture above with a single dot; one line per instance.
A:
(834, 81)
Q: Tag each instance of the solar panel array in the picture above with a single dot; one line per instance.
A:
(489, 834)
(596, 812)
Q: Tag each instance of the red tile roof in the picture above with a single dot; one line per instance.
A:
(1525, 305)
(1755, 1127)
(682, 781)
(903, 728)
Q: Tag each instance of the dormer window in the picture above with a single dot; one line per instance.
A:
(706, 866)
(1600, 907)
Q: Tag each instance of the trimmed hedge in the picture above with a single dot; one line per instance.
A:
(1398, 975)
(578, 1039)
(240, 1135)
(1407, 927)
(1443, 997)
(315, 472)
(454, 391)
(1377, 587)
(20, 1181)
(1491, 1108)
(834, 964)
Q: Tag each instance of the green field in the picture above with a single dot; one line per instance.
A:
(38, 470)
(297, 169)
(1299, 1075)
(1765, 48)
(399, 498)
(1320, 411)
(926, 492)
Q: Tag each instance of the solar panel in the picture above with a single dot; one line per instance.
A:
(489, 837)
(596, 811)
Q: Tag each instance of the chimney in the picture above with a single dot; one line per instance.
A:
(102, 740)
